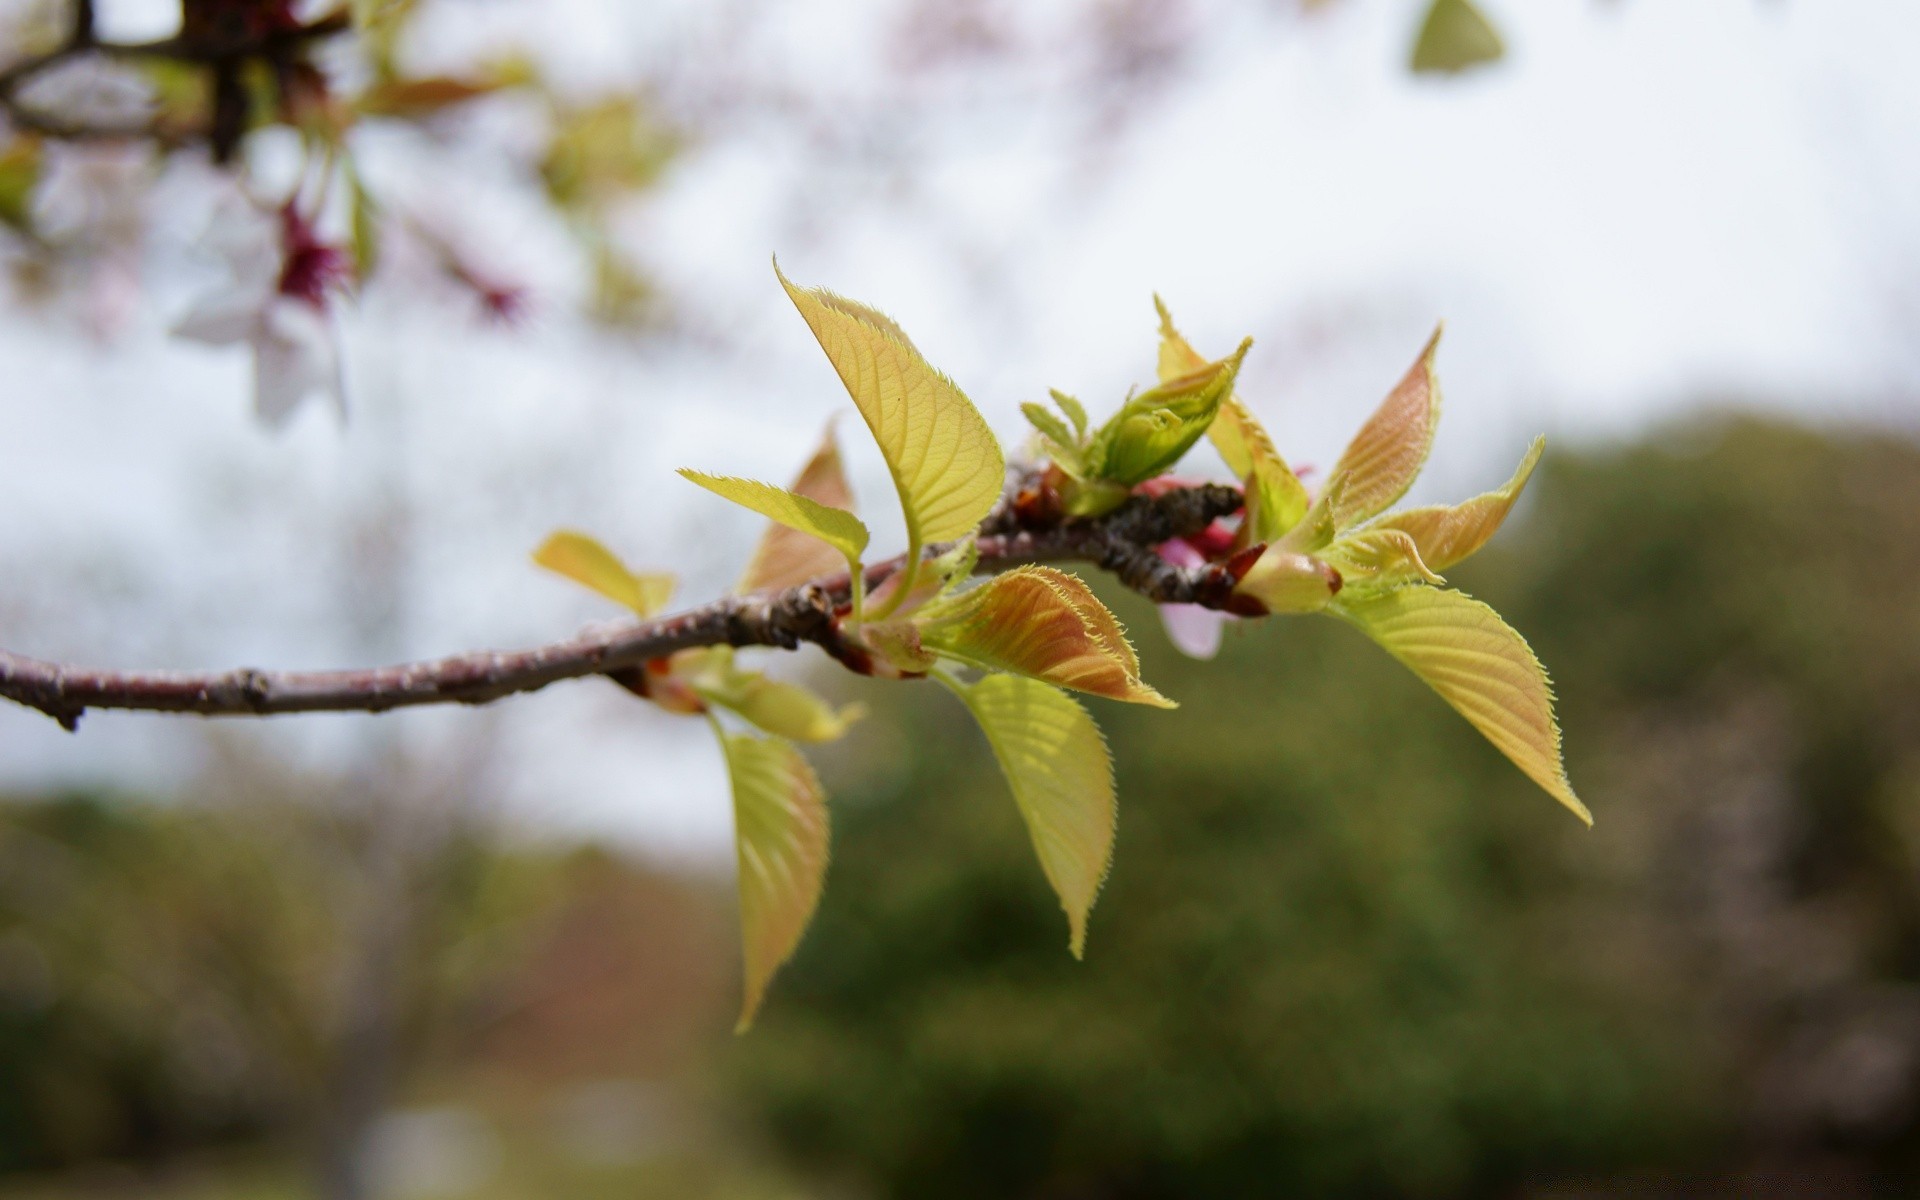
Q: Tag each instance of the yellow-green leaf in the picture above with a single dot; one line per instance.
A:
(944, 460)
(1454, 36)
(780, 841)
(1276, 499)
(1056, 762)
(1043, 623)
(836, 527)
(1446, 534)
(784, 709)
(1383, 459)
(1155, 428)
(1376, 557)
(788, 557)
(1478, 664)
(585, 561)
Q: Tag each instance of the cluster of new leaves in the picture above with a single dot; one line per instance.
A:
(1012, 647)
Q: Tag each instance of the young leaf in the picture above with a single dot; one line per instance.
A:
(834, 526)
(1374, 558)
(1281, 581)
(787, 557)
(784, 709)
(1276, 499)
(1056, 439)
(937, 577)
(780, 840)
(1056, 761)
(1455, 36)
(1155, 428)
(1076, 412)
(1042, 623)
(1380, 464)
(1478, 664)
(897, 643)
(1448, 535)
(944, 460)
(586, 561)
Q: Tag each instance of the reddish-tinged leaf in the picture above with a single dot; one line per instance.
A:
(1042, 623)
(1380, 464)
(1447, 535)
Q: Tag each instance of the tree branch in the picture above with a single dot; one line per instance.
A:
(81, 40)
(1123, 542)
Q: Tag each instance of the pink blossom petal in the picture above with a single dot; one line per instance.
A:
(221, 319)
(294, 356)
(1193, 630)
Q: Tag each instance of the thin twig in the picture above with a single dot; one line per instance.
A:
(1122, 541)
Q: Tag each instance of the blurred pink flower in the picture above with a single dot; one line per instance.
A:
(277, 303)
(1195, 631)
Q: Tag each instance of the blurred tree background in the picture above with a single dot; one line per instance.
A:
(1344, 951)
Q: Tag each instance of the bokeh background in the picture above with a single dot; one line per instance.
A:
(1346, 950)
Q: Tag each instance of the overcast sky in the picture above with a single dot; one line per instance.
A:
(1646, 208)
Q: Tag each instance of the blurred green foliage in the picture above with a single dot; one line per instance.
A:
(1347, 950)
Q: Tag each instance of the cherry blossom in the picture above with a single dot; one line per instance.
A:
(278, 302)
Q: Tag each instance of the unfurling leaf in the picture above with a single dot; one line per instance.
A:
(1455, 36)
(836, 527)
(1042, 623)
(1057, 441)
(1281, 581)
(780, 840)
(586, 561)
(1155, 428)
(1478, 664)
(787, 557)
(1384, 458)
(784, 709)
(1446, 535)
(896, 644)
(1056, 762)
(1375, 558)
(944, 460)
(1276, 499)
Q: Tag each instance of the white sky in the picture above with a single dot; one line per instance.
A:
(1647, 207)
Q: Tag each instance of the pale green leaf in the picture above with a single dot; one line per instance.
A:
(1374, 558)
(585, 561)
(1057, 441)
(1283, 581)
(1446, 535)
(1276, 499)
(834, 526)
(1154, 429)
(1056, 762)
(786, 556)
(780, 841)
(945, 462)
(1076, 411)
(1478, 664)
(1044, 623)
(1384, 458)
(786, 710)
(1455, 36)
